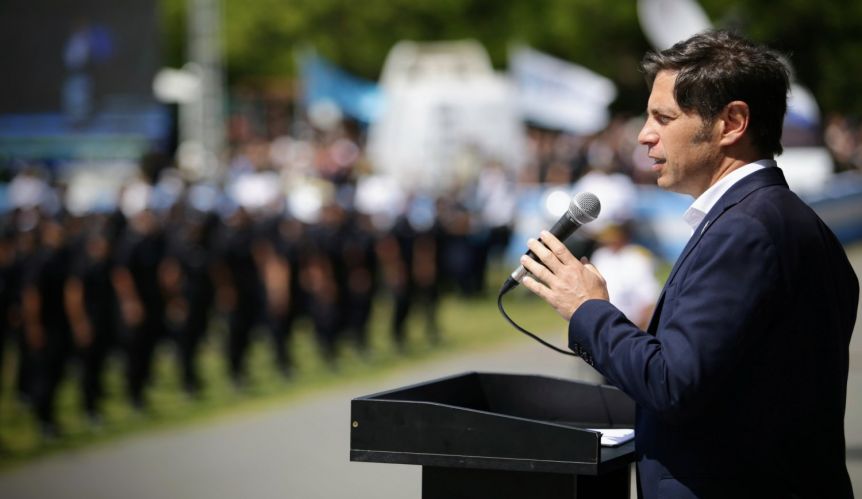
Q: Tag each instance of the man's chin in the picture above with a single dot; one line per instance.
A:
(669, 185)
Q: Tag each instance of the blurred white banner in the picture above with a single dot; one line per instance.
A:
(558, 94)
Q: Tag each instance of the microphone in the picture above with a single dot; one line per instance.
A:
(583, 209)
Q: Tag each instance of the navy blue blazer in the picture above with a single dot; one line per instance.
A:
(740, 379)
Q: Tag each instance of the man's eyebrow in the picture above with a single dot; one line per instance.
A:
(660, 110)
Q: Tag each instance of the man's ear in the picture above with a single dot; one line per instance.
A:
(735, 118)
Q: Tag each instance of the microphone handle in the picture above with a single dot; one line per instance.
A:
(564, 227)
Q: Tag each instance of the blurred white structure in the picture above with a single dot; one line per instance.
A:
(665, 22)
(198, 89)
(447, 111)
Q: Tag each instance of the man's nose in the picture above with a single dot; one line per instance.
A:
(647, 136)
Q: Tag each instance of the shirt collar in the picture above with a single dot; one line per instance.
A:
(701, 206)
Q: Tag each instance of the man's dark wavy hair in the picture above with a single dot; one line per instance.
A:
(717, 67)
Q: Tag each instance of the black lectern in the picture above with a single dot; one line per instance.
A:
(486, 435)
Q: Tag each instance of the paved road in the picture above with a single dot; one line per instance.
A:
(300, 450)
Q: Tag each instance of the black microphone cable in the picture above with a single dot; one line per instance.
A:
(508, 286)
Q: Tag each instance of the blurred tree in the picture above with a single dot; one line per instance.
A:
(822, 38)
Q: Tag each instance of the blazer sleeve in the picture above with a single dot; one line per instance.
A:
(713, 308)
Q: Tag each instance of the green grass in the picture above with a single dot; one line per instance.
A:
(466, 324)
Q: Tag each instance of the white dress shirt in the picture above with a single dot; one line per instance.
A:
(695, 213)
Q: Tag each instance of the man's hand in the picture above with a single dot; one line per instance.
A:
(561, 280)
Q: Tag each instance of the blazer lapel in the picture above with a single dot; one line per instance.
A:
(739, 191)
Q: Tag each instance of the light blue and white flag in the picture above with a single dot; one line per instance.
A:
(557, 94)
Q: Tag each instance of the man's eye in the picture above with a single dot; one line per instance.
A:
(664, 120)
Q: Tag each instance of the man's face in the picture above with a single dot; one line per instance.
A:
(685, 149)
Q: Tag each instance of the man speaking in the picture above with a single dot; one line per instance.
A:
(740, 378)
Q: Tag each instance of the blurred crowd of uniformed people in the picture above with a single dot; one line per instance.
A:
(169, 255)
(297, 226)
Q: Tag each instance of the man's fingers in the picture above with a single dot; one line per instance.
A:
(557, 247)
(536, 268)
(592, 268)
(543, 253)
(535, 286)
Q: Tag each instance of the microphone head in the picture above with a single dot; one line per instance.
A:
(585, 207)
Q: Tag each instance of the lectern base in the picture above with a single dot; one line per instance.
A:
(471, 483)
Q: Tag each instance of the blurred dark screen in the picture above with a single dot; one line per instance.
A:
(44, 44)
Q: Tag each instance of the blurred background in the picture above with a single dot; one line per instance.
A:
(222, 220)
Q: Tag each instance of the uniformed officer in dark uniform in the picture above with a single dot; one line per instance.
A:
(136, 279)
(409, 256)
(10, 319)
(360, 284)
(45, 321)
(321, 274)
(277, 255)
(192, 293)
(26, 245)
(240, 289)
(91, 304)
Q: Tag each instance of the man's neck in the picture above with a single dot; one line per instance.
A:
(732, 162)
